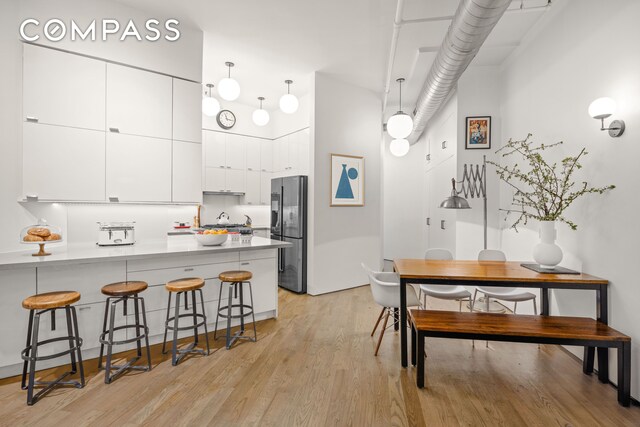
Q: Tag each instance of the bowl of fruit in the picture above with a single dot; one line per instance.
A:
(212, 237)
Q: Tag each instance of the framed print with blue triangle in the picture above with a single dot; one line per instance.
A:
(347, 180)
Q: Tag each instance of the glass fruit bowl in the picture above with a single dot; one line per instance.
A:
(41, 234)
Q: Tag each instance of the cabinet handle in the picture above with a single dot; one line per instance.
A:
(114, 130)
(113, 198)
(32, 119)
(444, 144)
(249, 169)
(244, 263)
(221, 167)
(228, 167)
(249, 203)
(428, 221)
(442, 224)
(264, 170)
(428, 157)
(188, 269)
(86, 307)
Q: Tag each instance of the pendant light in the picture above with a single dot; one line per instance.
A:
(210, 105)
(228, 88)
(260, 116)
(399, 147)
(289, 103)
(400, 125)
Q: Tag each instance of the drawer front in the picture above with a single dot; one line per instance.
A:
(87, 279)
(258, 254)
(180, 261)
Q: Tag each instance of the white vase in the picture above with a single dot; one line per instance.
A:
(547, 253)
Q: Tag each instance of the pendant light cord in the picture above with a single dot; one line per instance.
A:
(400, 103)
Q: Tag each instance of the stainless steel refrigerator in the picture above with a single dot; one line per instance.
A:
(289, 224)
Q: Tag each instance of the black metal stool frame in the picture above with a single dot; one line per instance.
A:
(178, 354)
(30, 353)
(233, 287)
(110, 315)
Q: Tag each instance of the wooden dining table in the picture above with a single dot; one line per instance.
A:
(502, 274)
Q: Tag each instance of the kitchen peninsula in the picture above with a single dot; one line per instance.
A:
(86, 268)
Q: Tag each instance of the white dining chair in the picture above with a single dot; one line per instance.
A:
(385, 288)
(446, 292)
(514, 295)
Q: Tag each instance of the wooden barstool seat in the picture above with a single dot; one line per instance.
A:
(235, 276)
(48, 300)
(121, 289)
(185, 285)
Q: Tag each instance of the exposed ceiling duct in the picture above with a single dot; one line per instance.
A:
(469, 28)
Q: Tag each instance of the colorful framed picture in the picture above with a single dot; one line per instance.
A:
(478, 133)
(347, 180)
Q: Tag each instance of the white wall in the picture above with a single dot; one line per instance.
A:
(579, 51)
(284, 124)
(345, 120)
(244, 122)
(182, 58)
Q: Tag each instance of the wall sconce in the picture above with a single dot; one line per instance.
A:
(602, 108)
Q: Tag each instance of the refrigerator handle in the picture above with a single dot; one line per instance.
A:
(281, 260)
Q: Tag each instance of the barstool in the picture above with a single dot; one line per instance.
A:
(122, 292)
(179, 287)
(235, 280)
(48, 303)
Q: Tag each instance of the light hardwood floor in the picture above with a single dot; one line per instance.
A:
(314, 366)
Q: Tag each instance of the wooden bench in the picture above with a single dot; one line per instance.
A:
(578, 331)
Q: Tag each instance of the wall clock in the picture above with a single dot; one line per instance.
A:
(226, 119)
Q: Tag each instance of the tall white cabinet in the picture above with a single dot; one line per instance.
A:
(97, 131)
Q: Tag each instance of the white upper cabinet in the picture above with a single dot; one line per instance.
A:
(62, 163)
(235, 180)
(215, 148)
(138, 168)
(187, 172)
(252, 147)
(304, 152)
(252, 193)
(215, 180)
(266, 155)
(235, 151)
(187, 114)
(265, 187)
(63, 89)
(138, 102)
(294, 152)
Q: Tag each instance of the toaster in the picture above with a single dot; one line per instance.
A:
(116, 233)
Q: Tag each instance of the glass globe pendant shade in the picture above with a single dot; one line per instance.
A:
(229, 89)
(602, 108)
(210, 106)
(289, 103)
(260, 117)
(399, 125)
(399, 147)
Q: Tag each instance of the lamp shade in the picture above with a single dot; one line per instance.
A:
(400, 125)
(260, 117)
(210, 106)
(455, 202)
(229, 89)
(289, 103)
(602, 108)
(399, 147)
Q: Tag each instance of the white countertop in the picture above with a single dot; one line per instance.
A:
(85, 253)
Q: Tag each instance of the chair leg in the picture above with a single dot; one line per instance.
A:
(384, 326)
(25, 365)
(535, 307)
(166, 323)
(515, 307)
(174, 350)
(32, 363)
(378, 321)
(146, 333)
(74, 317)
(206, 332)
(473, 302)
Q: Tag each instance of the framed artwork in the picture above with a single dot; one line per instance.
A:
(478, 133)
(347, 180)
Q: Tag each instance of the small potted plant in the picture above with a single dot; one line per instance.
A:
(543, 192)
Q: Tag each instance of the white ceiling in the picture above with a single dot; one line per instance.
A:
(273, 40)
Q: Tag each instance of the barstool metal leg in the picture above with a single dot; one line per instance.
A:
(79, 344)
(229, 317)
(215, 330)
(206, 333)
(25, 365)
(136, 311)
(239, 285)
(104, 330)
(253, 315)
(195, 317)
(166, 323)
(146, 331)
(174, 351)
(74, 367)
(112, 318)
(34, 354)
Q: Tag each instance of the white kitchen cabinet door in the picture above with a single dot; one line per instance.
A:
(252, 193)
(215, 180)
(16, 285)
(281, 155)
(266, 155)
(294, 152)
(62, 163)
(138, 168)
(264, 283)
(215, 148)
(252, 147)
(187, 173)
(235, 152)
(304, 152)
(235, 180)
(63, 89)
(138, 102)
(265, 188)
(187, 114)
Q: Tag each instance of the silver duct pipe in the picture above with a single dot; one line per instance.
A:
(470, 27)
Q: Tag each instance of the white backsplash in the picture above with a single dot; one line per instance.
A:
(215, 204)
